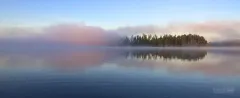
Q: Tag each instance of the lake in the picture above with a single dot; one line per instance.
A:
(120, 73)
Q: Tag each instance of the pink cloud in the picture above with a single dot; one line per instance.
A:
(78, 34)
(93, 35)
(61, 33)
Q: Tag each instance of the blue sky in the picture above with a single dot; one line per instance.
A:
(115, 13)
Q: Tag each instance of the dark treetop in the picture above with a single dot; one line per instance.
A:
(166, 40)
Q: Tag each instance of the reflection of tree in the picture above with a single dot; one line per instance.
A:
(61, 60)
(189, 55)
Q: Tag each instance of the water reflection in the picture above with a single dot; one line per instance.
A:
(206, 62)
(58, 60)
(190, 55)
(109, 73)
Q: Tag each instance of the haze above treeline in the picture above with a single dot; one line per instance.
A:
(149, 40)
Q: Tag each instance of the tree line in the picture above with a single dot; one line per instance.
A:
(165, 40)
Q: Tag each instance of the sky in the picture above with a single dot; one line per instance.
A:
(114, 13)
(123, 15)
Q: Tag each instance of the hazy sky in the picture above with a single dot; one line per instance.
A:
(114, 13)
(214, 19)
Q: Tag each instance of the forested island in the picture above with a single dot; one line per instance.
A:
(165, 40)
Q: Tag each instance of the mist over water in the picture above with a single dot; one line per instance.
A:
(119, 72)
(120, 49)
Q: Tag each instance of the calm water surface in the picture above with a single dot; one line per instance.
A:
(120, 73)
